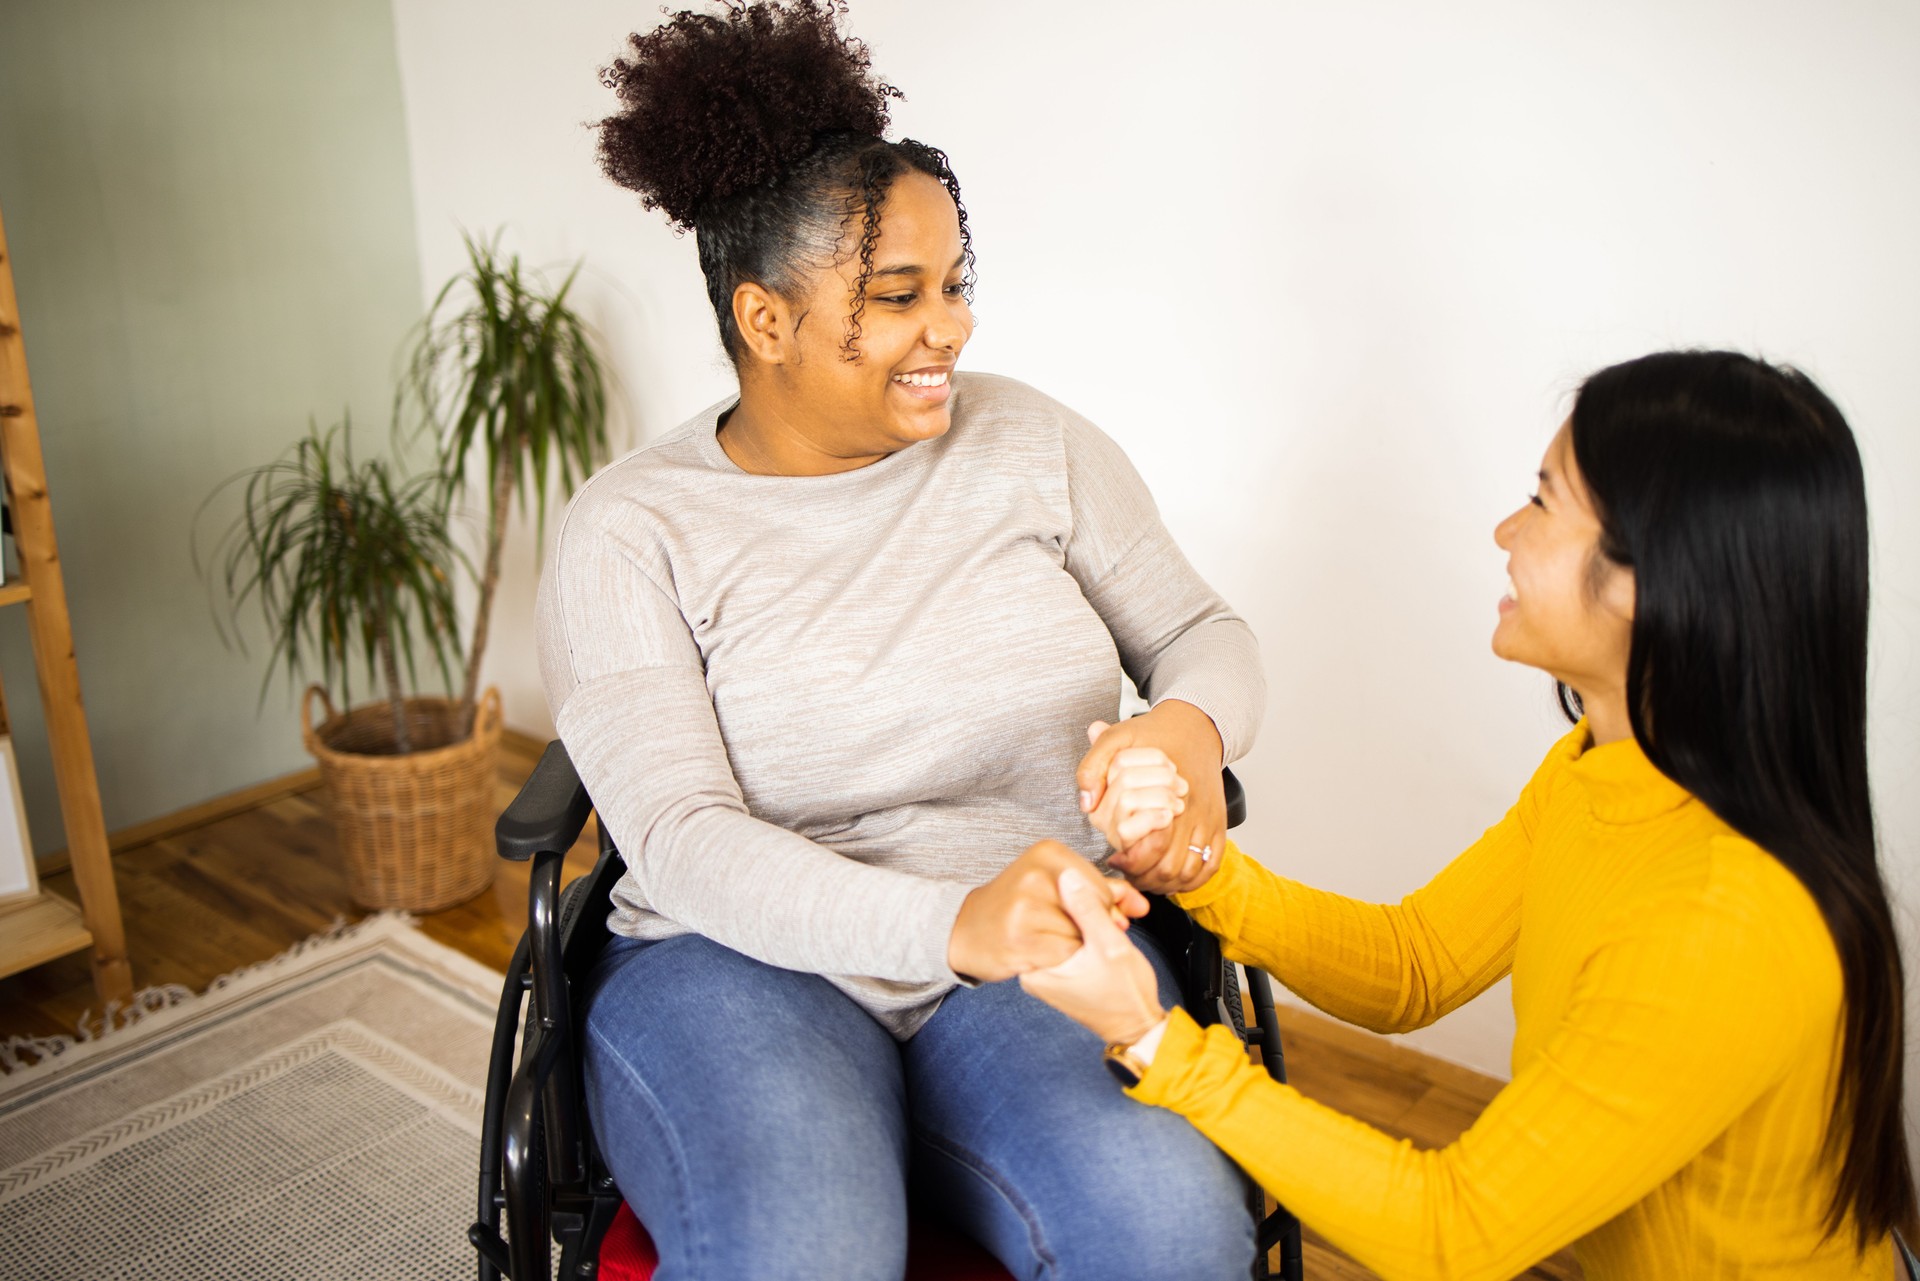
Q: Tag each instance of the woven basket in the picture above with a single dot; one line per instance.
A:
(417, 830)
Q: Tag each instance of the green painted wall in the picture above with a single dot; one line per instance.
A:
(210, 217)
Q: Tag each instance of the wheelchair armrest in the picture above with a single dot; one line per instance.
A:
(1236, 798)
(549, 811)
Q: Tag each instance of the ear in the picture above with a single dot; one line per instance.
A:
(761, 317)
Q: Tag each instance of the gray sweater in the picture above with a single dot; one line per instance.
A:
(815, 711)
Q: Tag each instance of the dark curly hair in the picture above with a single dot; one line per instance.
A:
(759, 128)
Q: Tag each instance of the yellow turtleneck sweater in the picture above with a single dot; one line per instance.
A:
(1677, 999)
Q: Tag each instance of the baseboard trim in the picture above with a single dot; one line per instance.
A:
(516, 741)
(159, 829)
(247, 798)
(1299, 1021)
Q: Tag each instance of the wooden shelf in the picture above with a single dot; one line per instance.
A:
(48, 927)
(39, 929)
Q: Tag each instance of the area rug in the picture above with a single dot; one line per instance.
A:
(315, 1116)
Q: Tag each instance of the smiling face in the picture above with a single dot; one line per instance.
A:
(805, 408)
(1569, 609)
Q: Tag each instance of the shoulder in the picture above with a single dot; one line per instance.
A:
(993, 405)
(684, 457)
(1738, 925)
(994, 398)
(626, 508)
(1565, 751)
(1548, 774)
(1757, 894)
(1034, 434)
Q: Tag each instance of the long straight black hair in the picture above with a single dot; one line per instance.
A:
(1732, 488)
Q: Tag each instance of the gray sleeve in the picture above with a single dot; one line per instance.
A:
(626, 685)
(1177, 638)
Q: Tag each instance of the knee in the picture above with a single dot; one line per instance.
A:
(813, 1202)
(742, 1162)
(1185, 1221)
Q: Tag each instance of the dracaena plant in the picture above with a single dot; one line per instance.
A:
(345, 561)
(507, 378)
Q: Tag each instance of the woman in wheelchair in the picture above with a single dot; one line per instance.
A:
(1707, 988)
(824, 657)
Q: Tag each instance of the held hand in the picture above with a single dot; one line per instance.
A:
(1106, 986)
(1144, 793)
(1182, 855)
(1015, 922)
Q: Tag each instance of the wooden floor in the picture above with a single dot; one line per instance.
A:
(244, 888)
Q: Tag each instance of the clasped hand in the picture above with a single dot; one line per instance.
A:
(1152, 785)
(1054, 922)
(1017, 921)
(1050, 919)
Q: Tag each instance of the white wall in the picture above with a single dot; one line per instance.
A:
(1329, 273)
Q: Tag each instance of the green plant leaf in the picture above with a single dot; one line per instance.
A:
(503, 372)
(335, 555)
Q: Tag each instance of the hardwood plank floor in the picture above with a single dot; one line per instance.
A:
(247, 886)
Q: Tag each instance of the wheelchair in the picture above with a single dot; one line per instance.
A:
(538, 1161)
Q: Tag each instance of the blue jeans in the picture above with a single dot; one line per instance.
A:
(762, 1125)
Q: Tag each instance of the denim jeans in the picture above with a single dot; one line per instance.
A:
(763, 1125)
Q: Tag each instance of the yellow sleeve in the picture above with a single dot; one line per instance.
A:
(1676, 1025)
(1390, 967)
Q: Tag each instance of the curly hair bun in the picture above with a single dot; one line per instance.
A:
(716, 104)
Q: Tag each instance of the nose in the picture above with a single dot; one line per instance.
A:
(948, 327)
(1504, 531)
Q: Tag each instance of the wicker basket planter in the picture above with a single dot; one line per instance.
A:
(416, 830)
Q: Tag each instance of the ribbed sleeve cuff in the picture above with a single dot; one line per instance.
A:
(1209, 702)
(935, 929)
(1189, 1065)
(1222, 883)
(1181, 1041)
(1216, 667)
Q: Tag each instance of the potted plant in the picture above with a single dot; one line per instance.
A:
(508, 380)
(349, 563)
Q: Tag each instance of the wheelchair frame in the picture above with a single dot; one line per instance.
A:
(538, 1161)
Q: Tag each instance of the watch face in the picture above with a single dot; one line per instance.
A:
(1122, 1070)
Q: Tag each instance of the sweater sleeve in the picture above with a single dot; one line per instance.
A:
(1177, 638)
(1676, 1025)
(1389, 967)
(627, 686)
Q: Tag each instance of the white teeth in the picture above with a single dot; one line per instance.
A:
(922, 380)
(1513, 593)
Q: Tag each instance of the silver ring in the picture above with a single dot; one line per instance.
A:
(1204, 851)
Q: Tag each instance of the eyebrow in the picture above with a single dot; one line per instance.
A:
(912, 269)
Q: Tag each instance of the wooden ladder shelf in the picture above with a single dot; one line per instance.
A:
(46, 926)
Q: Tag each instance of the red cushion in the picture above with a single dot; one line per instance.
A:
(626, 1252)
(935, 1252)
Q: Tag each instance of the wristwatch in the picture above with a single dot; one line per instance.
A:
(1125, 1065)
(1129, 1060)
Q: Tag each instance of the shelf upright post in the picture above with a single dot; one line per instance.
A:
(53, 655)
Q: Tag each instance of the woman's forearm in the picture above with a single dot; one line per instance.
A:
(1179, 640)
(700, 859)
(1386, 967)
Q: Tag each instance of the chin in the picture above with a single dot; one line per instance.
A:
(1503, 646)
(929, 426)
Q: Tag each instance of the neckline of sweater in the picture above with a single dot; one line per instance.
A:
(1620, 783)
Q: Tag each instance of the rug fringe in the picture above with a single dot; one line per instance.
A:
(17, 1052)
(338, 932)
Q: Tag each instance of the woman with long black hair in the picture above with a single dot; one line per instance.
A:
(1707, 986)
